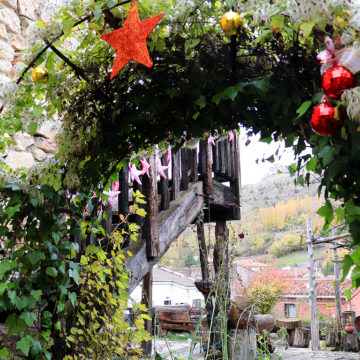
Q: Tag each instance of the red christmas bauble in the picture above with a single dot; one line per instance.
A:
(326, 119)
(336, 80)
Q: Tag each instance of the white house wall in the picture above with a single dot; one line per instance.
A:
(163, 291)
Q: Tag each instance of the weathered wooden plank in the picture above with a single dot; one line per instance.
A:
(193, 165)
(172, 223)
(202, 157)
(184, 169)
(227, 157)
(164, 187)
(233, 156)
(202, 250)
(222, 160)
(123, 197)
(175, 190)
(237, 178)
(215, 152)
(151, 228)
(208, 175)
(174, 314)
(173, 326)
(146, 299)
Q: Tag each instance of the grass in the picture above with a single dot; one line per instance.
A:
(297, 257)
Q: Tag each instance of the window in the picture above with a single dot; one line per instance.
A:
(290, 310)
(196, 302)
(167, 301)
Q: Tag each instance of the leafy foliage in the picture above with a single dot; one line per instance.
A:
(189, 92)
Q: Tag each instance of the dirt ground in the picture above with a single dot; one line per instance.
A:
(181, 350)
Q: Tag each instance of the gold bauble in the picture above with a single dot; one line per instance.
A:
(40, 75)
(230, 22)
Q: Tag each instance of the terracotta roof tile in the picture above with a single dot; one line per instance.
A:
(325, 287)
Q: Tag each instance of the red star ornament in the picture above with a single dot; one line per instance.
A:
(130, 40)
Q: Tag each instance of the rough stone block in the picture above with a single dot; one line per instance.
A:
(3, 32)
(6, 51)
(11, 20)
(4, 79)
(39, 155)
(28, 9)
(5, 67)
(22, 140)
(45, 144)
(18, 42)
(47, 129)
(17, 160)
(10, 3)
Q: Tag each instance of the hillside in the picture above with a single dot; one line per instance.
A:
(276, 186)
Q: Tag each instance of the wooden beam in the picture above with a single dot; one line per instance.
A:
(314, 319)
(202, 157)
(123, 197)
(337, 282)
(151, 229)
(202, 249)
(208, 175)
(164, 187)
(172, 223)
(321, 240)
(175, 173)
(146, 299)
(184, 169)
(194, 176)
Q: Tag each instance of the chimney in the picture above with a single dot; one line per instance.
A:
(296, 271)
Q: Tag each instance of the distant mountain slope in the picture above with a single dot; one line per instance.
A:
(276, 186)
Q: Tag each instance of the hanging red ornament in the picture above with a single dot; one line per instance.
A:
(336, 80)
(130, 40)
(326, 119)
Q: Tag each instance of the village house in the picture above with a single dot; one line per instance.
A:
(294, 303)
(171, 287)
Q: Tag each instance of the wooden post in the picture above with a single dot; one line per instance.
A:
(314, 320)
(175, 173)
(193, 166)
(208, 175)
(146, 299)
(337, 282)
(151, 230)
(123, 197)
(184, 169)
(164, 188)
(202, 250)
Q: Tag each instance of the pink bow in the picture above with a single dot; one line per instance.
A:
(327, 57)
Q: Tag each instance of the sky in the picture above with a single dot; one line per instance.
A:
(251, 172)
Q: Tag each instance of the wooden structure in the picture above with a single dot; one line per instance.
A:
(302, 337)
(203, 179)
(206, 178)
(290, 325)
(179, 318)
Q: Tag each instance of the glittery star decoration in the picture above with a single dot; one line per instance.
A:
(211, 140)
(161, 169)
(130, 40)
(145, 167)
(231, 136)
(135, 173)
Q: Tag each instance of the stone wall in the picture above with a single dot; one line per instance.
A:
(16, 16)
